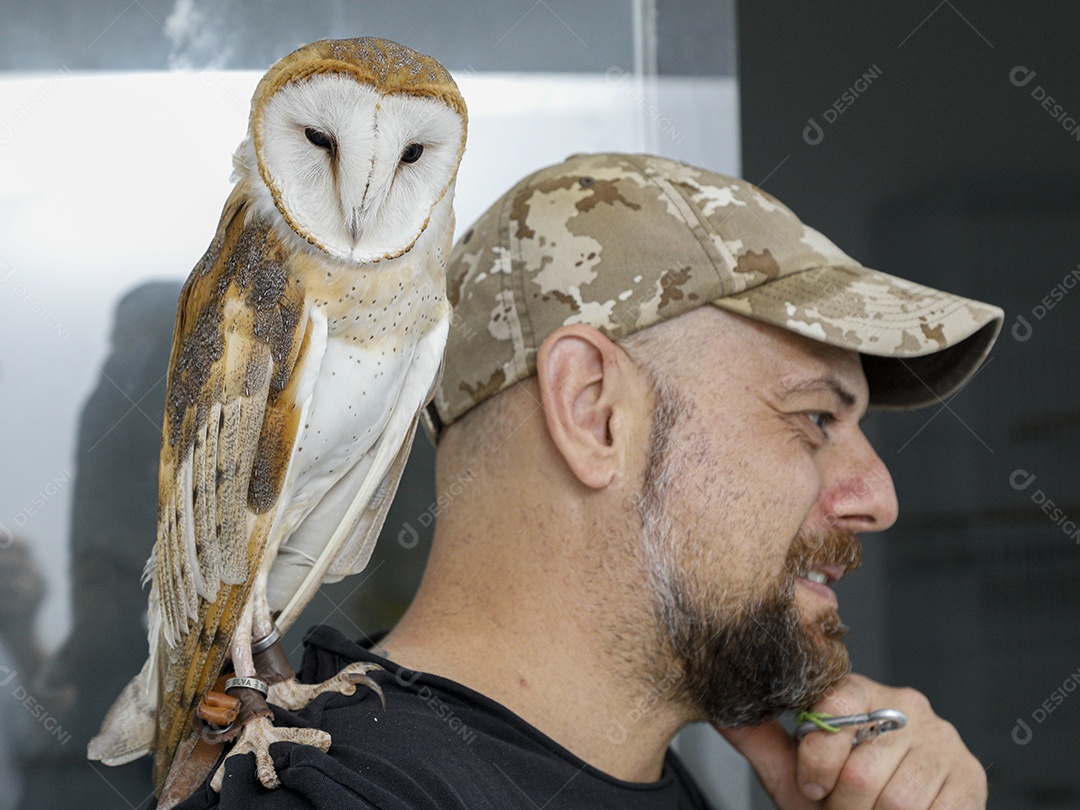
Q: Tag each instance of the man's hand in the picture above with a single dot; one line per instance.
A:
(925, 765)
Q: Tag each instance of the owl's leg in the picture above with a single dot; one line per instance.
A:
(262, 624)
(291, 694)
(243, 666)
(258, 733)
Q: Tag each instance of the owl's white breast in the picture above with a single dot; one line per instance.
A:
(377, 317)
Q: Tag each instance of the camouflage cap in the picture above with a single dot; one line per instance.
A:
(621, 242)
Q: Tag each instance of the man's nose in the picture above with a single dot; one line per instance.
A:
(861, 496)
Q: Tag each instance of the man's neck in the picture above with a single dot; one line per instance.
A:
(539, 660)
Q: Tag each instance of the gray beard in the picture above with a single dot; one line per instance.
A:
(745, 668)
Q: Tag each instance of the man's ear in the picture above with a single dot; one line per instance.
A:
(584, 387)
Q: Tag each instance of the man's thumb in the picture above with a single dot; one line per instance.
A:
(772, 753)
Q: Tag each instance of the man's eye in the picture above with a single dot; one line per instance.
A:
(820, 419)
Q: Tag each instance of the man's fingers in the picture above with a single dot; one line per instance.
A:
(911, 767)
(821, 757)
(908, 788)
(955, 780)
(924, 765)
(822, 754)
(772, 753)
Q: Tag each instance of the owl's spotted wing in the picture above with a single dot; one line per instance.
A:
(244, 356)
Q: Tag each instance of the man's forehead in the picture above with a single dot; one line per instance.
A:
(784, 361)
(810, 359)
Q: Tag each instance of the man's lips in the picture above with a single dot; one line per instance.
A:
(832, 573)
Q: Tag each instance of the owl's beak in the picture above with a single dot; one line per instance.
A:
(356, 225)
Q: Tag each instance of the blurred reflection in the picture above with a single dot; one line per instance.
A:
(21, 591)
(21, 657)
(113, 523)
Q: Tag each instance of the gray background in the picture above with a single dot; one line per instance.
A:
(945, 172)
(695, 37)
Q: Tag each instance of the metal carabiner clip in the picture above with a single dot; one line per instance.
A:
(872, 725)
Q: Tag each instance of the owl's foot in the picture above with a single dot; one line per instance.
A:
(293, 695)
(257, 737)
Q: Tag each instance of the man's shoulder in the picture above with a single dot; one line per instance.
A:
(429, 742)
(472, 750)
(426, 741)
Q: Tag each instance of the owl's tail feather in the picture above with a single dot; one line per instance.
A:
(127, 732)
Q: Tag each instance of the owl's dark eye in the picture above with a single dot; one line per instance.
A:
(319, 138)
(412, 153)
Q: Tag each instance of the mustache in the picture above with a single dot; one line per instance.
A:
(834, 547)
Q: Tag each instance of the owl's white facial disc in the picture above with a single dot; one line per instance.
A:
(341, 156)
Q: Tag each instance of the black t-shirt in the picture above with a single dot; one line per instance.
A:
(437, 744)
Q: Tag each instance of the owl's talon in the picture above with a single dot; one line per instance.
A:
(257, 737)
(293, 695)
(360, 677)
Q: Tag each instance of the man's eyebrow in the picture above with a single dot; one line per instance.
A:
(827, 383)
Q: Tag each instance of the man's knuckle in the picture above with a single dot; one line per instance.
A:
(818, 764)
(813, 762)
(856, 780)
(947, 731)
(902, 797)
(915, 699)
(856, 684)
(905, 791)
(977, 779)
(966, 790)
(983, 789)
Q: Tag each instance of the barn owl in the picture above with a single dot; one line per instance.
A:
(308, 339)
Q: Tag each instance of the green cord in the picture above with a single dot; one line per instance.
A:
(818, 719)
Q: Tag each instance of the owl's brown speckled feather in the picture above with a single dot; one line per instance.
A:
(230, 405)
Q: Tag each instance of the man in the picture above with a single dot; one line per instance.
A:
(652, 469)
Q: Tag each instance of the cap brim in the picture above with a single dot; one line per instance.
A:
(919, 345)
